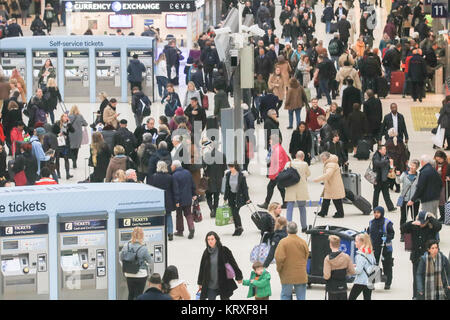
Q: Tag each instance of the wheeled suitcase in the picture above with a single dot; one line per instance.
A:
(397, 81)
(362, 204)
(261, 219)
(352, 182)
(382, 87)
(447, 208)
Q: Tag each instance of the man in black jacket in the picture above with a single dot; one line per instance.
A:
(140, 105)
(381, 165)
(340, 11)
(263, 64)
(429, 185)
(149, 127)
(126, 139)
(370, 69)
(426, 227)
(343, 27)
(392, 60)
(285, 14)
(154, 289)
(382, 233)
(394, 120)
(336, 49)
(171, 58)
(417, 72)
(336, 147)
(269, 38)
(350, 95)
(271, 126)
(210, 59)
(14, 29)
(325, 133)
(374, 113)
(325, 72)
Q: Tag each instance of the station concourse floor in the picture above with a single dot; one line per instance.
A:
(186, 254)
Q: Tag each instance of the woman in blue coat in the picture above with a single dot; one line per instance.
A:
(163, 180)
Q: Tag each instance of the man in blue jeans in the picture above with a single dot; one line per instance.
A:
(291, 257)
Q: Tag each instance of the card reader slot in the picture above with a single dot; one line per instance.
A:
(18, 282)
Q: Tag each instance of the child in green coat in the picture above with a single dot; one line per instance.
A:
(259, 283)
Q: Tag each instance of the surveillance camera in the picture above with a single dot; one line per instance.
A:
(220, 31)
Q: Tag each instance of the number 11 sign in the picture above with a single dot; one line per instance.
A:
(438, 10)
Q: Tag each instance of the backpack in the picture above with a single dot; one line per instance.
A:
(373, 273)
(210, 60)
(41, 115)
(333, 48)
(144, 106)
(130, 261)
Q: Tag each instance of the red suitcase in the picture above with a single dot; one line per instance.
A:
(397, 80)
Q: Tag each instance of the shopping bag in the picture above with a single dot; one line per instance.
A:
(223, 216)
(61, 141)
(196, 212)
(438, 139)
(85, 138)
(260, 252)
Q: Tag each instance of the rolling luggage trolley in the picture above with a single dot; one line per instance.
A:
(261, 220)
(320, 249)
(63, 107)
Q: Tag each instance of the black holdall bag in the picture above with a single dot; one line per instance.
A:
(288, 177)
(130, 261)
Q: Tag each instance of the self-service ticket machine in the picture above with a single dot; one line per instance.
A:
(11, 60)
(146, 57)
(76, 73)
(82, 258)
(108, 72)
(39, 58)
(24, 257)
(153, 225)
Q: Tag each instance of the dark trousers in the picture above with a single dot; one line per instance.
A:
(135, 84)
(384, 188)
(212, 198)
(209, 77)
(271, 187)
(186, 210)
(74, 156)
(337, 204)
(60, 155)
(404, 211)
(211, 294)
(49, 24)
(388, 263)
(235, 210)
(135, 287)
(356, 291)
(415, 267)
(337, 296)
(417, 88)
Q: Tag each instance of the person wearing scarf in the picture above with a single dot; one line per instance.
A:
(432, 274)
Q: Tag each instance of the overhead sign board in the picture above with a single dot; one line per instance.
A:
(131, 7)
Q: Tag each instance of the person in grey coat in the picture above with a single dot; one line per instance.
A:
(136, 281)
(75, 138)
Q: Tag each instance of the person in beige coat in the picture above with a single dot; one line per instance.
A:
(285, 69)
(346, 56)
(110, 115)
(298, 193)
(295, 99)
(348, 71)
(333, 186)
(291, 257)
(277, 85)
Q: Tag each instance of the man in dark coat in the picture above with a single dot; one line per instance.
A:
(171, 54)
(271, 126)
(263, 65)
(417, 72)
(340, 11)
(220, 100)
(197, 118)
(363, 28)
(184, 187)
(336, 147)
(429, 185)
(149, 127)
(374, 113)
(392, 60)
(391, 120)
(210, 59)
(126, 139)
(214, 166)
(269, 37)
(370, 69)
(162, 154)
(422, 29)
(350, 95)
(135, 70)
(154, 289)
(343, 27)
(381, 165)
(382, 233)
(14, 29)
(285, 14)
(425, 227)
(328, 16)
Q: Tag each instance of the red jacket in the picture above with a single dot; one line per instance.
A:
(407, 63)
(278, 161)
(45, 181)
(311, 118)
(16, 135)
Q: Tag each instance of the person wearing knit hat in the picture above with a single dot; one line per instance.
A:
(179, 111)
(425, 227)
(381, 231)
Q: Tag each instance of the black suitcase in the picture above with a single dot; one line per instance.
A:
(362, 204)
(382, 87)
(333, 27)
(363, 150)
(261, 219)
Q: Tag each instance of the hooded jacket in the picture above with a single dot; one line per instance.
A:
(376, 230)
(336, 266)
(116, 163)
(135, 70)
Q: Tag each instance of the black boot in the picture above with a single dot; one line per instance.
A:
(191, 234)
(74, 164)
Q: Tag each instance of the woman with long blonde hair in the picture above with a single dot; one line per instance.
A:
(51, 97)
(162, 78)
(136, 281)
(99, 158)
(76, 137)
(364, 260)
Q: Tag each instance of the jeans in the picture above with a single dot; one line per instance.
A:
(297, 116)
(327, 26)
(301, 208)
(24, 16)
(211, 294)
(356, 291)
(387, 72)
(300, 291)
(169, 222)
(335, 60)
(337, 296)
(417, 89)
(135, 287)
(162, 84)
(186, 210)
(323, 88)
(384, 188)
(49, 25)
(271, 187)
(74, 156)
(405, 83)
(415, 267)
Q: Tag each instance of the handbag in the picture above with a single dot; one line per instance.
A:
(196, 212)
(438, 139)
(370, 175)
(230, 271)
(203, 184)
(391, 174)
(61, 141)
(85, 138)
(288, 177)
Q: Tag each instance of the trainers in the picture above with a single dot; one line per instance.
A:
(264, 205)
(191, 234)
(392, 209)
(387, 287)
(178, 234)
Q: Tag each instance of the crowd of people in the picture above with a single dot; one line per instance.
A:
(172, 151)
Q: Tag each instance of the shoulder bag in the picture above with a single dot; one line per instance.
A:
(371, 175)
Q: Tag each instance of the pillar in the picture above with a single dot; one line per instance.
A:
(189, 30)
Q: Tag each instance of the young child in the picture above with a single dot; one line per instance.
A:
(259, 283)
